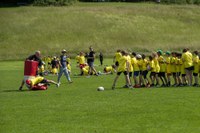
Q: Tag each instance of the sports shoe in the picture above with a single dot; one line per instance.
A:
(113, 87)
(196, 85)
(148, 85)
(163, 85)
(136, 86)
(20, 88)
(58, 85)
(143, 85)
(125, 86)
(181, 85)
(130, 87)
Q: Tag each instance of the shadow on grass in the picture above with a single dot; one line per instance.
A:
(4, 91)
(116, 88)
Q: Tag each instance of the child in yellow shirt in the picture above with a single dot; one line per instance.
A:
(196, 68)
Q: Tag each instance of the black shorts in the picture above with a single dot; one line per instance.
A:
(152, 74)
(195, 74)
(144, 74)
(130, 74)
(125, 73)
(117, 63)
(174, 74)
(183, 75)
(161, 74)
(136, 73)
(190, 68)
(178, 73)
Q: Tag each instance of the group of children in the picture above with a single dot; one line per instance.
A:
(157, 70)
(162, 68)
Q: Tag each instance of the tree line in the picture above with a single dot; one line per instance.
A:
(69, 2)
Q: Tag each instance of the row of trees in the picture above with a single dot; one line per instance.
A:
(36, 2)
(69, 2)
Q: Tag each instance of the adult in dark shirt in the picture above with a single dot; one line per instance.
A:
(101, 58)
(34, 57)
(90, 60)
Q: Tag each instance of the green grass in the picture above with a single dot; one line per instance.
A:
(80, 108)
(142, 27)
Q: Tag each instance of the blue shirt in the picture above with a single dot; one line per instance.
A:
(63, 60)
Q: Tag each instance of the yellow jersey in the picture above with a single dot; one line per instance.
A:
(152, 66)
(182, 67)
(187, 59)
(168, 64)
(156, 64)
(140, 62)
(81, 59)
(173, 64)
(110, 69)
(162, 64)
(36, 80)
(199, 66)
(77, 58)
(130, 69)
(144, 64)
(178, 65)
(196, 63)
(134, 63)
(122, 64)
(118, 55)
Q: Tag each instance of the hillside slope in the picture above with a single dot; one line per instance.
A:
(106, 26)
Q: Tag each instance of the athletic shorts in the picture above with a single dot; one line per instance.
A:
(117, 63)
(190, 68)
(130, 74)
(152, 74)
(161, 74)
(91, 64)
(195, 74)
(125, 73)
(178, 73)
(174, 74)
(136, 73)
(183, 75)
(144, 74)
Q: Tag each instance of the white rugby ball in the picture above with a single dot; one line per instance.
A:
(100, 88)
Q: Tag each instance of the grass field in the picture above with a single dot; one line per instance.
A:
(80, 108)
(140, 27)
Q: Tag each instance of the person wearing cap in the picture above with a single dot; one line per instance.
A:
(63, 67)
